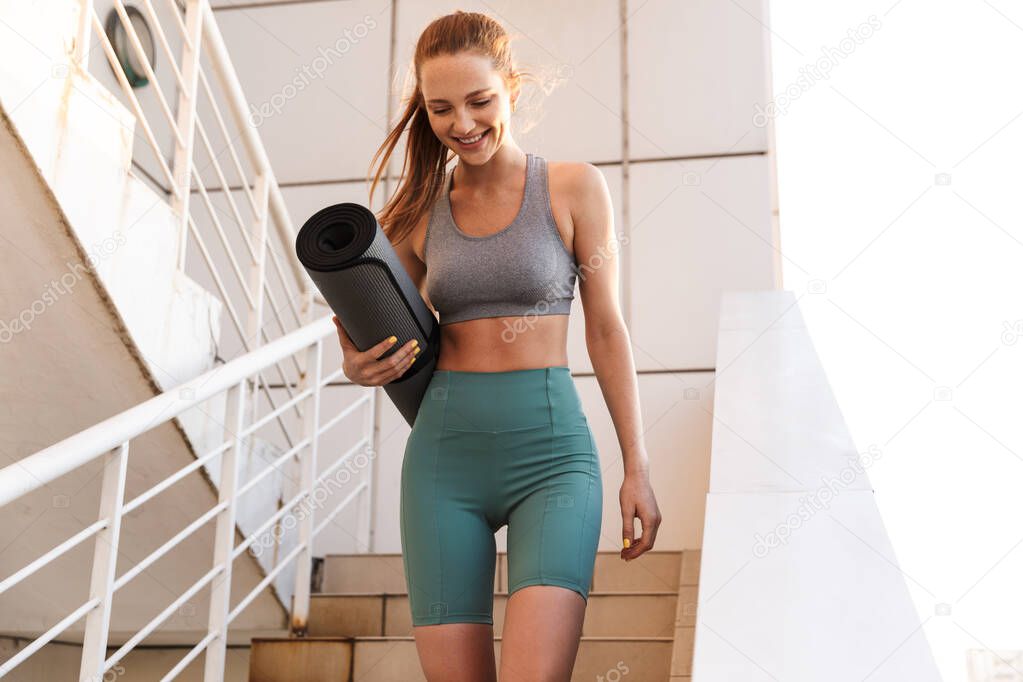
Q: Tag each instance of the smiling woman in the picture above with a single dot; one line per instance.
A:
(501, 439)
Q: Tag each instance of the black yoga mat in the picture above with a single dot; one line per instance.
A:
(352, 263)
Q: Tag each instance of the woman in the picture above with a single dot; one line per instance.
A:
(500, 437)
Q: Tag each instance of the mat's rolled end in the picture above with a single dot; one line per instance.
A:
(335, 236)
(353, 264)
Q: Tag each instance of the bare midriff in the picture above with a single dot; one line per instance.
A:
(501, 344)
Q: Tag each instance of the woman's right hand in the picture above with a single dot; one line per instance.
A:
(365, 368)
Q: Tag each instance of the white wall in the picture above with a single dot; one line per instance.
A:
(698, 184)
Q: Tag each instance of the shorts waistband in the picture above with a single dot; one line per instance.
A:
(504, 400)
(553, 368)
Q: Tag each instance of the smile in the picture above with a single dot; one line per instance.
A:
(469, 142)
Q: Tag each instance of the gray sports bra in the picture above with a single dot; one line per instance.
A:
(522, 270)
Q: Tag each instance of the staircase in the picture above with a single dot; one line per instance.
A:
(639, 623)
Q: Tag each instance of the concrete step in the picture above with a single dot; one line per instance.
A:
(655, 571)
(608, 614)
(387, 659)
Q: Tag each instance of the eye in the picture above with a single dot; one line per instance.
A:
(482, 104)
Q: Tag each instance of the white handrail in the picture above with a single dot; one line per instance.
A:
(111, 438)
(54, 554)
(61, 458)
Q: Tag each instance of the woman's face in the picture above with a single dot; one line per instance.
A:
(466, 97)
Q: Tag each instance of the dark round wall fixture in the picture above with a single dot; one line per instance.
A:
(126, 54)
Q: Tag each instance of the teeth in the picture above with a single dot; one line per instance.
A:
(470, 140)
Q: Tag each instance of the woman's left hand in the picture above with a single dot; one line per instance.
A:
(637, 500)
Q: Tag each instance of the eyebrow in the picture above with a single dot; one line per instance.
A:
(471, 94)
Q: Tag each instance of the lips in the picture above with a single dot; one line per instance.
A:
(475, 144)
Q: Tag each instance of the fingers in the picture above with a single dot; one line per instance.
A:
(649, 523)
(374, 352)
(369, 368)
(396, 364)
(628, 533)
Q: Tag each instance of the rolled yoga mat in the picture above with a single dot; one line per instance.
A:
(353, 264)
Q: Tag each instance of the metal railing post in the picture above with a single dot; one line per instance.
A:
(307, 461)
(104, 565)
(183, 148)
(367, 527)
(220, 592)
(83, 33)
(257, 276)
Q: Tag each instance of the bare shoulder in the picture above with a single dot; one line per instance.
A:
(580, 197)
(579, 182)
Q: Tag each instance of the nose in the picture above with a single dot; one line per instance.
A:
(464, 123)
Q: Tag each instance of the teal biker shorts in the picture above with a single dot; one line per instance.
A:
(489, 449)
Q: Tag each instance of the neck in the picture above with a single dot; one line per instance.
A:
(507, 163)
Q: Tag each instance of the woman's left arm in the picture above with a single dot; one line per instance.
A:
(607, 342)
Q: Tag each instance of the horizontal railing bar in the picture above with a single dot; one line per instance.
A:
(273, 405)
(221, 289)
(46, 637)
(263, 583)
(189, 657)
(168, 546)
(227, 136)
(173, 478)
(53, 554)
(154, 21)
(164, 615)
(280, 322)
(181, 23)
(224, 241)
(52, 462)
(298, 397)
(340, 460)
(337, 510)
(280, 373)
(273, 466)
(345, 412)
(229, 195)
(140, 53)
(221, 60)
(140, 117)
(291, 297)
(262, 421)
(277, 516)
(333, 375)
